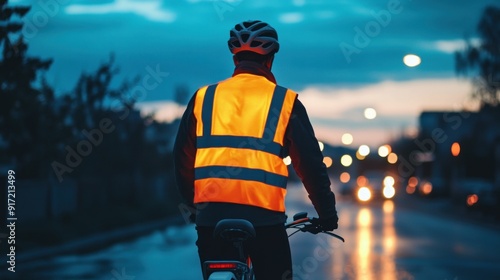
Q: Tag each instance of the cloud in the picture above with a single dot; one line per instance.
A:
(291, 18)
(150, 10)
(164, 111)
(299, 3)
(450, 46)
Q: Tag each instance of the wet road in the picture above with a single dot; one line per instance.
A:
(383, 241)
(389, 241)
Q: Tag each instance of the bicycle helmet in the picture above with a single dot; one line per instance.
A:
(254, 36)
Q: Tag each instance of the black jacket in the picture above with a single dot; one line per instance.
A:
(300, 143)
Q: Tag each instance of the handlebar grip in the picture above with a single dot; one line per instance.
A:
(314, 221)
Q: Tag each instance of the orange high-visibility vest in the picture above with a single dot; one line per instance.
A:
(240, 128)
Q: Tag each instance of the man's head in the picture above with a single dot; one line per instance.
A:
(253, 40)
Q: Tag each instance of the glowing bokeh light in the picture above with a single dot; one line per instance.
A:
(472, 199)
(347, 139)
(321, 146)
(364, 150)
(370, 113)
(426, 188)
(411, 60)
(413, 182)
(384, 150)
(410, 189)
(361, 181)
(389, 192)
(455, 149)
(364, 194)
(327, 161)
(392, 158)
(389, 181)
(287, 160)
(345, 177)
(346, 160)
(359, 156)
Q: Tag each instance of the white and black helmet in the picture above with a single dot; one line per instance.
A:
(254, 36)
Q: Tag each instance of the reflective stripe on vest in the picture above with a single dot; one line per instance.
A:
(241, 124)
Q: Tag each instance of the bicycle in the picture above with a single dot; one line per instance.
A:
(237, 231)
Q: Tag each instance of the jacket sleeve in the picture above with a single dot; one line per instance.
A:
(185, 154)
(307, 160)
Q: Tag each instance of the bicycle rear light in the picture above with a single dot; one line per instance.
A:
(222, 266)
(235, 268)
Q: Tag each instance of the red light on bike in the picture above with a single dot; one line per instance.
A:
(222, 266)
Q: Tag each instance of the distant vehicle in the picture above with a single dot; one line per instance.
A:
(371, 185)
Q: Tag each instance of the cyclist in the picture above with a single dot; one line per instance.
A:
(229, 154)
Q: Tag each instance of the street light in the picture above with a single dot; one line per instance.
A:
(411, 60)
(370, 113)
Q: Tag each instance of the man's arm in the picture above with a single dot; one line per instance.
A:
(185, 153)
(307, 160)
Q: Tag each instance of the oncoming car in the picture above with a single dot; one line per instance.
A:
(374, 185)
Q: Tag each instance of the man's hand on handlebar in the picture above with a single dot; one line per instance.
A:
(314, 225)
(329, 224)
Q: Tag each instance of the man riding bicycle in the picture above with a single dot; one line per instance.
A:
(229, 154)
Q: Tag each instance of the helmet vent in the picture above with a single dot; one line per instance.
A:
(266, 45)
(247, 24)
(269, 34)
(244, 37)
(259, 26)
(255, 44)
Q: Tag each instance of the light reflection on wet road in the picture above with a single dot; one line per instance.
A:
(383, 241)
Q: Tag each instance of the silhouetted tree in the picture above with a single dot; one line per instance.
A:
(26, 118)
(483, 59)
(91, 101)
(93, 95)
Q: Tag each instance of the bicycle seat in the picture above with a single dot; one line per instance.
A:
(234, 229)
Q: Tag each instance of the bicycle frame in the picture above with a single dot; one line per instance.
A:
(237, 231)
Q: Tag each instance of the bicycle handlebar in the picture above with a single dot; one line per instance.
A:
(310, 225)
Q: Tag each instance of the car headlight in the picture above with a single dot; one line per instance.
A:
(389, 191)
(364, 194)
(389, 181)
